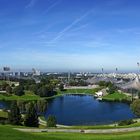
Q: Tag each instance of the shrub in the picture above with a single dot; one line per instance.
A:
(126, 122)
(51, 121)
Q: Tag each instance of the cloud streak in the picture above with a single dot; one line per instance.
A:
(31, 4)
(62, 33)
(52, 6)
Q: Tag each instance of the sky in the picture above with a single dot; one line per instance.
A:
(70, 35)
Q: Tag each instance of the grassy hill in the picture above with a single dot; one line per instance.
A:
(7, 133)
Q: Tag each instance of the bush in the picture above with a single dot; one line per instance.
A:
(126, 122)
(51, 121)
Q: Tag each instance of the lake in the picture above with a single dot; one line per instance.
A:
(86, 110)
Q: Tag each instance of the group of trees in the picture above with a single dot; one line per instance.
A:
(30, 113)
(11, 89)
(104, 84)
(40, 105)
(77, 82)
(45, 88)
(5, 86)
(111, 87)
(30, 119)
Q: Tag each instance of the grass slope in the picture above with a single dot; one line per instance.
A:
(7, 133)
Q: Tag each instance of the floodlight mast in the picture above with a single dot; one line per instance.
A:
(102, 71)
(138, 64)
(116, 72)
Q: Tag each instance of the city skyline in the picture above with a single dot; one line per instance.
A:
(70, 35)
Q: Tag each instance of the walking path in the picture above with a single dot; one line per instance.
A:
(94, 131)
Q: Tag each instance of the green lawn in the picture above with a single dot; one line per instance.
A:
(7, 133)
(28, 96)
(3, 114)
(116, 96)
(88, 91)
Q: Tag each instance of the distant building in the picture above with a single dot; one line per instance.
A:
(36, 72)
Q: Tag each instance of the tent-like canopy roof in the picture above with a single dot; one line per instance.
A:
(135, 84)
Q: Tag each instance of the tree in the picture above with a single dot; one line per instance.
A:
(41, 106)
(51, 121)
(21, 104)
(105, 84)
(139, 94)
(19, 90)
(135, 107)
(61, 87)
(112, 89)
(45, 91)
(8, 89)
(33, 88)
(14, 115)
(31, 117)
(3, 86)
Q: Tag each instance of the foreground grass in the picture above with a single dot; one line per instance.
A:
(7, 133)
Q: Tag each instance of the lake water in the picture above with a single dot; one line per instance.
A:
(85, 110)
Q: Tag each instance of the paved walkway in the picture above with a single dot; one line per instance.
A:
(95, 131)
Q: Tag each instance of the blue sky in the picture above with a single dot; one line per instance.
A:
(69, 35)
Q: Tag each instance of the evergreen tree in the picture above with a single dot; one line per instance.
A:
(41, 106)
(14, 115)
(31, 117)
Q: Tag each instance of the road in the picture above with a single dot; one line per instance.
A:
(94, 131)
